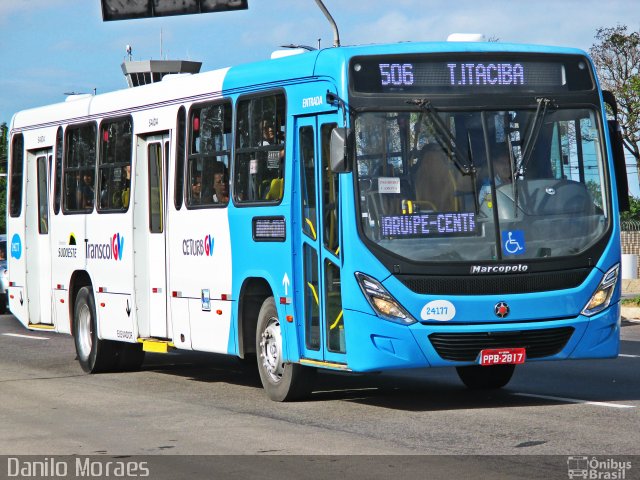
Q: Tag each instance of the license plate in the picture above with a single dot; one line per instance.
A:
(502, 356)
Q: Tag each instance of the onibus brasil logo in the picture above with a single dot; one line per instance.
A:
(112, 249)
(597, 468)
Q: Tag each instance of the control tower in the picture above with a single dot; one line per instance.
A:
(143, 72)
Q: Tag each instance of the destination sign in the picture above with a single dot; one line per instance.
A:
(458, 74)
(421, 225)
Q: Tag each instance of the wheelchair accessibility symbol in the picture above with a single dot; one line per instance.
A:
(513, 242)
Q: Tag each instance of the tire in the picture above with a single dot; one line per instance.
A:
(130, 357)
(478, 377)
(282, 381)
(94, 355)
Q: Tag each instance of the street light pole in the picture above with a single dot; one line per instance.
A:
(336, 35)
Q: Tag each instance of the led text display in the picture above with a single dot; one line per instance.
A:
(458, 73)
(428, 225)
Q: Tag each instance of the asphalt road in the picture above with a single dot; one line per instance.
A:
(197, 404)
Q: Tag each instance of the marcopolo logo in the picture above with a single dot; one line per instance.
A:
(111, 250)
(195, 247)
(489, 269)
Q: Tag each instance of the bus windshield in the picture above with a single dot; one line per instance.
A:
(482, 185)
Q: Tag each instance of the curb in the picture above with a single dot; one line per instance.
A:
(630, 313)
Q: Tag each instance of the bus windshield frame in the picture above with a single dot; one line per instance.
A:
(467, 136)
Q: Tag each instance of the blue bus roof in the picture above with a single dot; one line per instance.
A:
(330, 62)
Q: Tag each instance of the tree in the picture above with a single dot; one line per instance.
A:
(633, 215)
(617, 59)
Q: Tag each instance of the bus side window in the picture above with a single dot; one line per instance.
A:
(79, 168)
(58, 173)
(209, 153)
(260, 149)
(114, 168)
(17, 165)
(180, 153)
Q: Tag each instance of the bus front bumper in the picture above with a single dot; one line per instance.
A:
(374, 344)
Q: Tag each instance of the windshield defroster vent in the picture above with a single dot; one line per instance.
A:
(495, 284)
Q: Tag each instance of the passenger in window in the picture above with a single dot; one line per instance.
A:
(220, 186)
(86, 190)
(120, 197)
(435, 179)
(104, 191)
(269, 137)
(126, 190)
(196, 190)
(501, 175)
(268, 134)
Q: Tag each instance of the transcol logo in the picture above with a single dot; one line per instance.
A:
(194, 247)
(113, 249)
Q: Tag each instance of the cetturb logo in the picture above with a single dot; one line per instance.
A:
(16, 246)
(198, 247)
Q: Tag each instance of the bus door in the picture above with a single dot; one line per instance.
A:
(149, 238)
(37, 245)
(318, 273)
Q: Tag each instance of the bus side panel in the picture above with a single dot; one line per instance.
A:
(15, 243)
(260, 261)
(115, 323)
(200, 252)
(210, 327)
(61, 310)
(28, 241)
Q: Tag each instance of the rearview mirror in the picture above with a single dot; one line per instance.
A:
(340, 150)
(617, 147)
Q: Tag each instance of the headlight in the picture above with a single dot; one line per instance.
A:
(382, 302)
(602, 296)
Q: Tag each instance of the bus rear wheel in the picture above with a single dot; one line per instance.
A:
(479, 377)
(94, 355)
(282, 381)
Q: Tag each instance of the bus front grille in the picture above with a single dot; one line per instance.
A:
(465, 347)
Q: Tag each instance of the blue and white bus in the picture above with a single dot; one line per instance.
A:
(354, 208)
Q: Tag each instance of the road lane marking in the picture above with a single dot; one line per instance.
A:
(628, 356)
(25, 336)
(575, 400)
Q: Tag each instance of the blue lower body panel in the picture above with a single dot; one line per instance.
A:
(374, 344)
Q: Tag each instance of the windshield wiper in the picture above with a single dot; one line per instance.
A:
(443, 135)
(534, 131)
(529, 145)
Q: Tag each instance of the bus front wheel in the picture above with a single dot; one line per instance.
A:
(281, 380)
(94, 355)
(485, 377)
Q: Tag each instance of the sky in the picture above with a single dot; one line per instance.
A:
(50, 47)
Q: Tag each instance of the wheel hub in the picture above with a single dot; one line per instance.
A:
(271, 350)
(85, 340)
